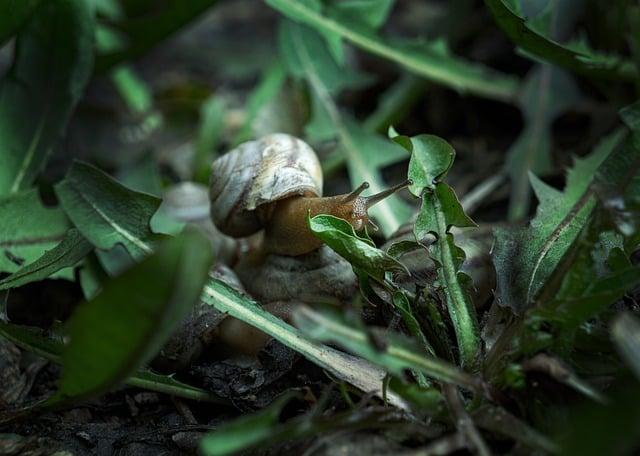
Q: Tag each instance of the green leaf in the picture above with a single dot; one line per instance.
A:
(534, 42)
(441, 210)
(68, 253)
(13, 14)
(361, 148)
(28, 229)
(297, 44)
(431, 61)
(349, 368)
(596, 429)
(112, 335)
(395, 103)
(51, 348)
(209, 135)
(106, 212)
(373, 13)
(547, 93)
(527, 258)
(52, 65)
(152, 23)
(397, 354)
(142, 176)
(267, 89)
(263, 429)
(597, 296)
(246, 431)
(431, 159)
(340, 236)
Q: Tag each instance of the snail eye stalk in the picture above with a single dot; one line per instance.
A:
(374, 199)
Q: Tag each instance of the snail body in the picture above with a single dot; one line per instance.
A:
(274, 183)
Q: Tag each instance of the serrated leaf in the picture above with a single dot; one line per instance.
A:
(68, 253)
(112, 335)
(431, 159)
(28, 229)
(429, 62)
(106, 212)
(13, 14)
(547, 93)
(533, 41)
(340, 236)
(527, 258)
(52, 65)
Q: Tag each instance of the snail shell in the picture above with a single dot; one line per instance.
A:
(257, 173)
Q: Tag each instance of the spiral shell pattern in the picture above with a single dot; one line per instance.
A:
(259, 172)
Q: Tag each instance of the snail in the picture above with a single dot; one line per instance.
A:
(273, 184)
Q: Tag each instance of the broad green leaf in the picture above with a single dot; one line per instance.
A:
(596, 296)
(112, 335)
(526, 258)
(547, 93)
(361, 148)
(340, 236)
(106, 212)
(534, 42)
(28, 229)
(397, 354)
(146, 28)
(432, 61)
(68, 253)
(51, 348)
(52, 65)
(431, 159)
(13, 14)
(351, 369)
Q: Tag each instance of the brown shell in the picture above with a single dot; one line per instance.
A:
(257, 173)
